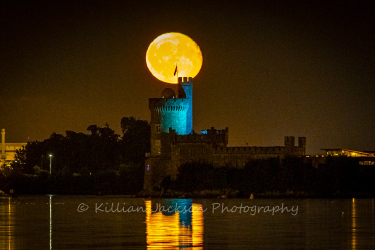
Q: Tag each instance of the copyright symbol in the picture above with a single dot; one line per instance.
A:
(82, 207)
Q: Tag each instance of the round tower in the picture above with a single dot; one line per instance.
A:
(167, 113)
(173, 113)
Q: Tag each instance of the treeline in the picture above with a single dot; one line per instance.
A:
(287, 177)
(96, 162)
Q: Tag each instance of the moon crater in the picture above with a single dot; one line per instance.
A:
(169, 50)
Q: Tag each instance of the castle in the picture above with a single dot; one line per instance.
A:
(174, 143)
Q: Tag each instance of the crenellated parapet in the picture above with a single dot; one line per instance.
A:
(250, 150)
(291, 149)
(168, 105)
(211, 136)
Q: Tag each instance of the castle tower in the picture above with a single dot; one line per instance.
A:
(187, 85)
(289, 144)
(302, 144)
(169, 112)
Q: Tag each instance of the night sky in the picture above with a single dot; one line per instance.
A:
(270, 68)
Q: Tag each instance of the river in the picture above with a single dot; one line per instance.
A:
(118, 222)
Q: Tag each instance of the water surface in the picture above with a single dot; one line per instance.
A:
(116, 222)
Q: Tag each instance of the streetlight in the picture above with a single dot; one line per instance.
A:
(50, 164)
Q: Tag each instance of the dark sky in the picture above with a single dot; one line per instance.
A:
(270, 68)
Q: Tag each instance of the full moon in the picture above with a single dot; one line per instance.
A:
(169, 50)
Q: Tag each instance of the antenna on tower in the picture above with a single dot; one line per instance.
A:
(176, 72)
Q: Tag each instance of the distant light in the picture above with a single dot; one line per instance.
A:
(148, 167)
(204, 132)
(50, 155)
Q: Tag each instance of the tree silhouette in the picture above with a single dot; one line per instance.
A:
(135, 139)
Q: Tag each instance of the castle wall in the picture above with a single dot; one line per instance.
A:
(238, 156)
(210, 147)
(183, 153)
(156, 169)
(204, 152)
(212, 136)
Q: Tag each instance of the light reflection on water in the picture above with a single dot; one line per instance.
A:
(52, 222)
(6, 227)
(182, 227)
(354, 225)
(9, 227)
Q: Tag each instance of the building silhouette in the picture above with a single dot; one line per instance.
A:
(174, 142)
(8, 150)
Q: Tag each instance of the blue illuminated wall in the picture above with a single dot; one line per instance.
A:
(173, 115)
(171, 111)
(187, 85)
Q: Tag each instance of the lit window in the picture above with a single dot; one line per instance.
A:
(158, 147)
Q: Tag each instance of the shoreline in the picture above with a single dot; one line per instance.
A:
(210, 194)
